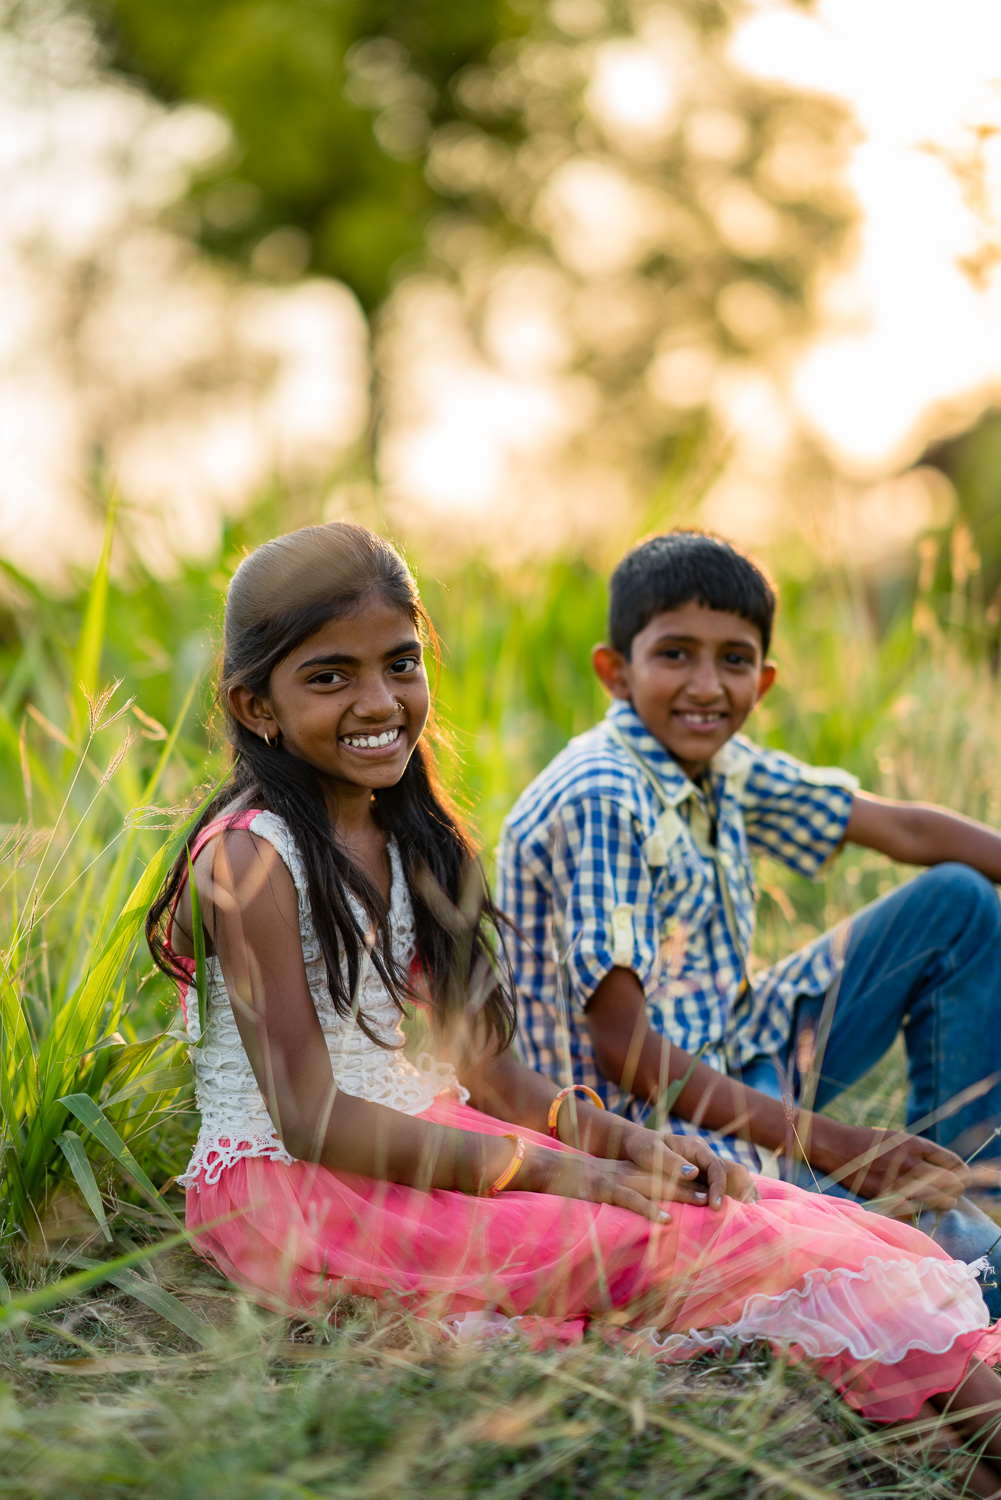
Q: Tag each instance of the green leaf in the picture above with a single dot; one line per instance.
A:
(198, 942)
(30, 1303)
(72, 1148)
(169, 1307)
(673, 1092)
(123, 862)
(158, 1081)
(88, 652)
(90, 1115)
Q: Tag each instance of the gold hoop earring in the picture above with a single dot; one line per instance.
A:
(271, 744)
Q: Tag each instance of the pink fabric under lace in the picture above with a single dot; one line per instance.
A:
(877, 1308)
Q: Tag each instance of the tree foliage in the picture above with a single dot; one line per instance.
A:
(331, 103)
(582, 224)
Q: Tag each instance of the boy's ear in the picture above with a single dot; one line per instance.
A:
(766, 679)
(612, 669)
(253, 712)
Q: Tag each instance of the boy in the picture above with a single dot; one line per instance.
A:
(625, 868)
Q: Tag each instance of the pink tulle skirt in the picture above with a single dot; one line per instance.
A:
(875, 1306)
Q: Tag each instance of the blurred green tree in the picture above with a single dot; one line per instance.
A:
(332, 103)
(619, 226)
(636, 231)
(335, 103)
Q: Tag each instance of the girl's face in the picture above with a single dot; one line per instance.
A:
(352, 700)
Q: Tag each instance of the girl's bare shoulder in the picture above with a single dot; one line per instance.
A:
(237, 871)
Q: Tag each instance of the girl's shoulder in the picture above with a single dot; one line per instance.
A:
(254, 820)
(244, 830)
(257, 844)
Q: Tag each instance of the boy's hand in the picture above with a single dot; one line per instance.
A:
(912, 1171)
(716, 1177)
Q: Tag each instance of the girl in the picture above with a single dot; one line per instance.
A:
(337, 890)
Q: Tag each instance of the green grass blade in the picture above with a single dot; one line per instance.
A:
(92, 1116)
(674, 1090)
(28, 1304)
(72, 1148)
(198, 943)
(159, 1081)
(87, 662)
(169, 1307)
(170, 743)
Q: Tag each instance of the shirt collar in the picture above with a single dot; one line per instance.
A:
(663, 764)
(727, 761)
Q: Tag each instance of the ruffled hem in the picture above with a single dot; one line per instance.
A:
(817, 1318)
(211, 1157)
(827, 1316)
(878, 1313)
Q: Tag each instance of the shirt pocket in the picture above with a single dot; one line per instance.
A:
(684, 889)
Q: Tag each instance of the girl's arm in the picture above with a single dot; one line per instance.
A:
(251, 914)
(502, 1086)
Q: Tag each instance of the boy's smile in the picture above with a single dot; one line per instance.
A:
(693, 675)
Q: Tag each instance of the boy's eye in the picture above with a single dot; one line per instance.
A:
(736, 659)
(673, 653)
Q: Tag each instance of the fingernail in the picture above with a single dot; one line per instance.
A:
(699, 1194)
(717, 1202)
(689, 1170)
(664, 1217)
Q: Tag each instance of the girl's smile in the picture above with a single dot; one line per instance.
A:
(352, 700)
(373, 743)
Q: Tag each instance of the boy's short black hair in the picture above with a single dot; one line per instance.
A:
(681, 567)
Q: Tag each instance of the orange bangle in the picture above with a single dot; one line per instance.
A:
(575, 1088)
(510, 1171)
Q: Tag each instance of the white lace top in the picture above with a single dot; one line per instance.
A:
(234, 1118)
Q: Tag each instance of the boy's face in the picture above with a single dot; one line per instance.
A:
(693, 676)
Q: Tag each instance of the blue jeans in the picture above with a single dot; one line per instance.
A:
(926, 959)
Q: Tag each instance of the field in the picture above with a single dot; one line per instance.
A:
(148, 1375)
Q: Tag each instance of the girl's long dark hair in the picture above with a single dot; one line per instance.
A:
(279, 596)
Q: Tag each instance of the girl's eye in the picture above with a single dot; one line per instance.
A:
(328, 678)
(404, 665)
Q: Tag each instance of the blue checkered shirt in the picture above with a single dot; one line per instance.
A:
(607, 860)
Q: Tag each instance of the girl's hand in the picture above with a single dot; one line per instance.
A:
(667, 1176)
(704, 1175)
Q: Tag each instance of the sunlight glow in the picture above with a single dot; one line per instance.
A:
(632, 90)
(126, 354)
(912, 340)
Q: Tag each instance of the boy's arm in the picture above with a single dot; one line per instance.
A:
(630, 1053)
(917, 834)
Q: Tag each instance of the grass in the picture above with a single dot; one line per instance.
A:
(105, 1401)
(163, 1380)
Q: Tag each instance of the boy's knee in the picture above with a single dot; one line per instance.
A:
(963, 892)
